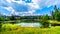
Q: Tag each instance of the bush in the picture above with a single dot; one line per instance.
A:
(10, 26)
(0, 26)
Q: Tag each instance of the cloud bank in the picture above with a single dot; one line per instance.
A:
(25, 7)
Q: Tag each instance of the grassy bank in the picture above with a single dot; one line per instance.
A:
(29, 30)
(33, 31)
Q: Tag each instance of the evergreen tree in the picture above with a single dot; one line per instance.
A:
(56, 14)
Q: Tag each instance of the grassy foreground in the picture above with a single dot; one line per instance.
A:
(31, 30)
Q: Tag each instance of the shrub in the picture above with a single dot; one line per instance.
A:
(10, 26)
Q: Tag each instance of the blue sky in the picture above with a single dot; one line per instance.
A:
(27, 7)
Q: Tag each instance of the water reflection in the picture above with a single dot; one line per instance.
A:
(30, 24)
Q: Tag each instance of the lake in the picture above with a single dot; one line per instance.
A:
(30, 24)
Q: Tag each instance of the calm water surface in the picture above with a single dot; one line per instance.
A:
(30, 24)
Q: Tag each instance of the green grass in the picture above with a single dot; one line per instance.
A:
(29, 30)
(54, 21)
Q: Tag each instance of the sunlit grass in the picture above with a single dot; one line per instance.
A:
(54, 21)
(29, 30)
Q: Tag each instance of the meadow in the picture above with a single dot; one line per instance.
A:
(17, 29)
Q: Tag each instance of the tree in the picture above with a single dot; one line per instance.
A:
(12, 18)
(7, 19)
(56, 14)
(52, 15)
(1, 20)
(0, 25)
(44, 21)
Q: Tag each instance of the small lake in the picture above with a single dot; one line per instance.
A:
(30, 24)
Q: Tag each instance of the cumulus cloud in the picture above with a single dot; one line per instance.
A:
(26, 7)
(52, 2)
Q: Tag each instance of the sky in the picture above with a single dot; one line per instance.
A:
(27, 7)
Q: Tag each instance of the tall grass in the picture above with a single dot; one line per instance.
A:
(29, 30)
(10, 27)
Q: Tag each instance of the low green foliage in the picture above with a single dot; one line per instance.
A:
(0, 26)
(10, 27)
(29, 30)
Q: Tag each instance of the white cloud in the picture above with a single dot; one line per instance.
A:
(11, 10)
(8, 8)
(52, 2)
(47, 3)
(6, 14)
(9, 1)
(34, 5)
